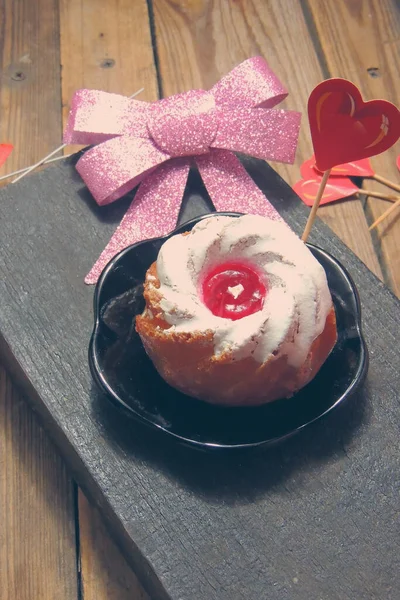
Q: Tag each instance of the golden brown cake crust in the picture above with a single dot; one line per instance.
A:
(187, 361)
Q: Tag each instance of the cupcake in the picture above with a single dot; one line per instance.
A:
(238, 312)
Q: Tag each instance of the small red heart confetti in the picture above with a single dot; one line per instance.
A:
(344, 128)
(308, 169)
(5, 151)
(336, 188)
(356, 168)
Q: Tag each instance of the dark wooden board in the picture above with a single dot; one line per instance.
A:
(316, 517)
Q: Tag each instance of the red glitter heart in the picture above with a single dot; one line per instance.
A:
(344, 128)
(337, 188)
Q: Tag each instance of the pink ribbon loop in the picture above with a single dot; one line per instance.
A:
(97, 116)
(109, 171)
(143, 143)
(250, 84)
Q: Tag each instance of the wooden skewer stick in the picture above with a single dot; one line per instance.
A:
(380, 195)
(40, 162)
(315, 206)
(387, 182)
(385, 214)
(48, 159)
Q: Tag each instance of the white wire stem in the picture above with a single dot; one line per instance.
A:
(36, 165)
(46, 162)
(47, 159)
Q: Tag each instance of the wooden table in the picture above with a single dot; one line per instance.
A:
(53, 543)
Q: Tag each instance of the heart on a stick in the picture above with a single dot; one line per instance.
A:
(336, 188)
(356, 168)
(344, 128)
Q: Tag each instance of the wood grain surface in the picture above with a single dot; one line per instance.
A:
(105, 574)
(115, 46)
(37, 533)
(360, 41)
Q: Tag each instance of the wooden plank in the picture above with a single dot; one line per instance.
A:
(105, 574)
(37, 534)
(198, 42)
(30, 82)
(105, 45)
(30, 97)
(222, 527)
(360, 41)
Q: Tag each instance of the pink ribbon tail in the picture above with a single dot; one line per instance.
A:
(230, 186)
(154, 212)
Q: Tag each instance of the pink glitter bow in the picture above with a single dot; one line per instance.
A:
(154, 144)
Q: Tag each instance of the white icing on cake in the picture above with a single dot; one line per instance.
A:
(297, 301)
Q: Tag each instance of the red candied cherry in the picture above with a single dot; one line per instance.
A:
(233, 290)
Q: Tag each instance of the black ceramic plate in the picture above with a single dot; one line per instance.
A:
(122, 369)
